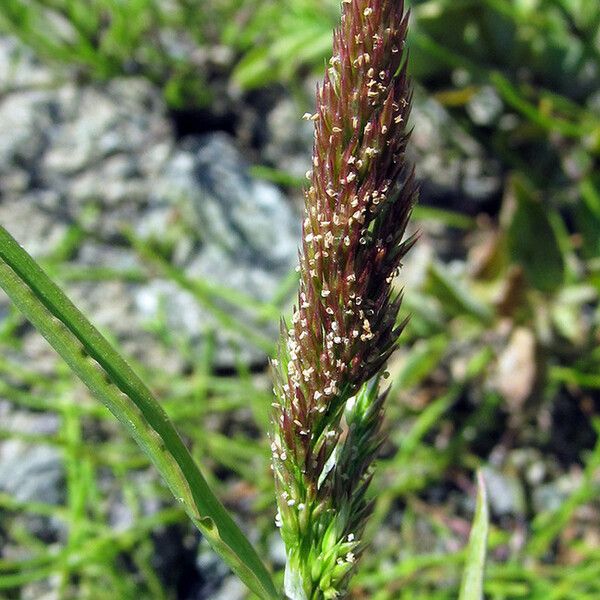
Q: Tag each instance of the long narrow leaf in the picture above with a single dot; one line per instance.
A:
(472, 583)
(112, 381)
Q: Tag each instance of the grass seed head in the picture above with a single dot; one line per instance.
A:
(344, 329)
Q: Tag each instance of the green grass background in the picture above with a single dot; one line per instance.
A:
(542, 58)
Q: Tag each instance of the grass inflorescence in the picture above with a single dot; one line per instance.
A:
(329, 408)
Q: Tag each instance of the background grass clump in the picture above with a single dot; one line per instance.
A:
(500, 362)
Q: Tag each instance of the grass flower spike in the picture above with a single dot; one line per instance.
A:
(327, 417)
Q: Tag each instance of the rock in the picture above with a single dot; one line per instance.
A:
(64, 148)
(289, 139)
(121, 514)
(217, 582)
(516, 370)
(551, 496)
(246, 240)
(18, 67)
(31, 473)
(452, 167)
(105, 157)
(277, 552)
(485, 107)
(47, 589)
(93, 124)
(28, 219)
(231, 589)
(246, 217)
(25, 119)
(28, 422)
(505, 493)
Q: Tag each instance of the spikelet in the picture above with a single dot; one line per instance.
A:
(328, 410)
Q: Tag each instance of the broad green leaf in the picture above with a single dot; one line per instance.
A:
(532, 241)
(114, 383)
(455, 296)
(472, 582)
(420, 361)
(255, 69)
(588, 218)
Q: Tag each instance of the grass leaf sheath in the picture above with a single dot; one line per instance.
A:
(328, 409)
(113, 382)
(471, 587)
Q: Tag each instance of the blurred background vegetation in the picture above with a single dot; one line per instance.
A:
(500, 364)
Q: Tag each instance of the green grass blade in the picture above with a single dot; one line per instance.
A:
(112, 381)
(471, 587)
